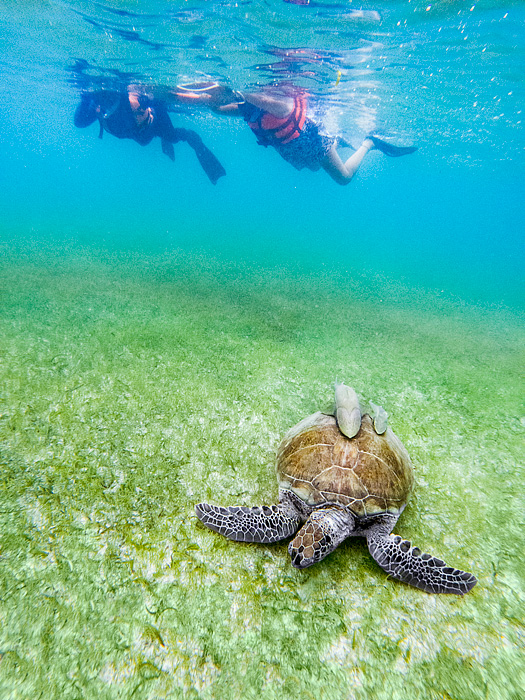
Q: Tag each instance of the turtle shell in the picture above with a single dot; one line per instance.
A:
(368, 473)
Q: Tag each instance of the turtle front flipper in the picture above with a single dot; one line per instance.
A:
(257, 524)
(408, 564)
(324, 530)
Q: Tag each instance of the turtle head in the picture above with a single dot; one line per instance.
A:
(324, 530)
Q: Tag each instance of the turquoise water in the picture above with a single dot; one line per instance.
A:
(159, 335)
(445, 76)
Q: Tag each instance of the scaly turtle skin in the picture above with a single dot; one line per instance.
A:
(342, 475)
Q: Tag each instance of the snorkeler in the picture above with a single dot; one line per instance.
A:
(283, 123)
(131, 115)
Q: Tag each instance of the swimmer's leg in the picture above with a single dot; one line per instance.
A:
(209, 163)
(343, 172)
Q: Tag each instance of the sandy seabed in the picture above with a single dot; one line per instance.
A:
(134, 386)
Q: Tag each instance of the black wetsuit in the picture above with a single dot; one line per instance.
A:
(116, 116)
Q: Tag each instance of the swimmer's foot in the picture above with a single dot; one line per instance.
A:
(388, 149)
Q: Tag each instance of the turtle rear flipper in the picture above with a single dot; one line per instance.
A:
(258, 524)
(408, 564)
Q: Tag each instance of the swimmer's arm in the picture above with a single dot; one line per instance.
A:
(231, 110)
(280, 107)
(174, 96)
(205, 100)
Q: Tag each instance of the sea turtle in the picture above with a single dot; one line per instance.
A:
(342, 475)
